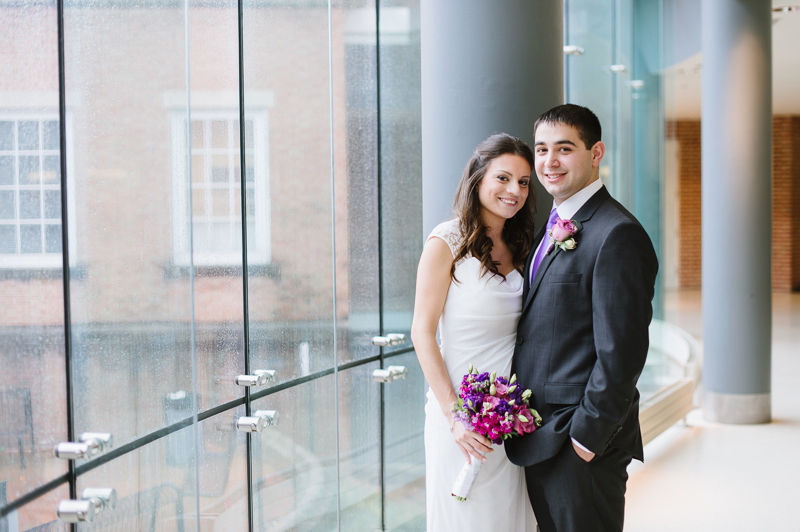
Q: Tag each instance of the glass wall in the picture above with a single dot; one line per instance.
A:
(233, 187)
(613, 65)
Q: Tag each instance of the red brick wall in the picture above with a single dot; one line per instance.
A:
(689, 200)
(785, 202)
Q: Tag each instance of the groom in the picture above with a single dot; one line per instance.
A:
(583, 335)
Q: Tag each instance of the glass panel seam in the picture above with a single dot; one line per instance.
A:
(381, 350)
(333, 257)
(245, 273)
(65, 276)
(192, 325)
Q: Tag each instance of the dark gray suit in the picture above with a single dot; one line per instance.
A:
(581, 346)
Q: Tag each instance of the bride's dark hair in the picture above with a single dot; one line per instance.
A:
(518, 231)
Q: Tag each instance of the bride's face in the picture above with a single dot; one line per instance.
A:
(504, 189)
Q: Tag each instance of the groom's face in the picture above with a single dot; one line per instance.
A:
(564, 164)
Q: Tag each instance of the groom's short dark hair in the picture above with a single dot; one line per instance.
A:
(581, 118)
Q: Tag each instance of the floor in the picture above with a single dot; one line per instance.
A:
(706, 476)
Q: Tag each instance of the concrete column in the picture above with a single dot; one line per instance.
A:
(737, 237)
(487, 67)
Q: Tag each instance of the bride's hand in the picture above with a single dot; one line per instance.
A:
(470, 442)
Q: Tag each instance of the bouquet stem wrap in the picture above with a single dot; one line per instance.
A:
(466, 478)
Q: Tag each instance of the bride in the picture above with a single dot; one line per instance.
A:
(469, 283)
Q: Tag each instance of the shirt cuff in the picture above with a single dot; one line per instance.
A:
(576, 442)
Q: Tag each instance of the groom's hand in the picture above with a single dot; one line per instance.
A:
(586, 456)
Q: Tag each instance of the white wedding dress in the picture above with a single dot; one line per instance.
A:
(478, 325)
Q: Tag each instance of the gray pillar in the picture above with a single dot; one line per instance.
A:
(737, 236)
(487, 67)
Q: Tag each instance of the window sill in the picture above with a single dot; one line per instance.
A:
(76, 273)
(176, 272)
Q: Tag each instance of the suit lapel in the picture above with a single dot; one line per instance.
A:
(539, 274)
(583, 215)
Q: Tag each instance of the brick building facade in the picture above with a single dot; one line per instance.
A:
(785, 202)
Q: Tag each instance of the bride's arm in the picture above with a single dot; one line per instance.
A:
(433, 282)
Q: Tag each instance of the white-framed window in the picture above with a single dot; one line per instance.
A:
(216, 188)
(30, 191)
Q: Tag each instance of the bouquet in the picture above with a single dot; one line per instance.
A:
(495, 407)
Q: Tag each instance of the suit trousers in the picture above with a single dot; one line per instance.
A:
(569, 494)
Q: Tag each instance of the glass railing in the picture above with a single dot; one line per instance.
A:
(669, 379)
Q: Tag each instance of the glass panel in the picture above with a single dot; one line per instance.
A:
(223, 474)
(7, 170)
(219, 134)
(131, 330)
(7, 204)
(401, 163)
(360, 448)
(29, 169)
(648, 135)
(6, 135)
(52, 239)
(155, 487)
(8, 239)
(219, 168)
(32, 376)
(287, 93)
(294, 463)
(52, 204)
(50, 135)
(30, 204)
(30, 238)
(218, 284)
(36, 516)
(28, 135)
(356, 141)
(32, 363)
(588, 77)
(404, 449)
(51, 169)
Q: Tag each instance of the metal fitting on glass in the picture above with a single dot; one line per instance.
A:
(260, 420)
(71, 511)
(92, 502)
(101, 498)
(251, 424)
(572, 49)
(270, 416)
(389, 339)
(390, 374)
(91, 444)
(259, 378)
(618, 69)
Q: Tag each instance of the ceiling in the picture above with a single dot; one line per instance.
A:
(683, 79)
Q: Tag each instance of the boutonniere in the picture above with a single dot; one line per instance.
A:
(562, 234)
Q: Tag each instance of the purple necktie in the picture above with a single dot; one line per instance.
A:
(537, 260)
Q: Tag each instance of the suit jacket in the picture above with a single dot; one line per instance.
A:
(583, 336)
